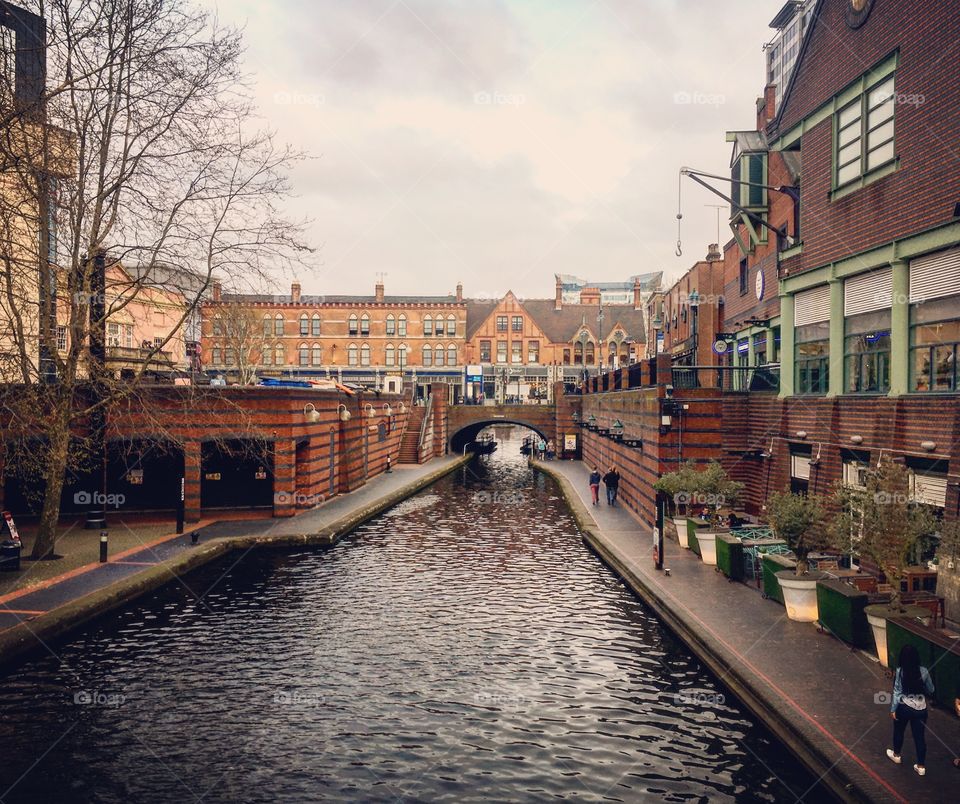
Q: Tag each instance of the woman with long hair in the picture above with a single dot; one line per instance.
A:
(911, 686)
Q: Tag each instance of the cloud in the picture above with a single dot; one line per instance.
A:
(497, 143)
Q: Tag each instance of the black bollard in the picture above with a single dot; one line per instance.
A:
(195, 536)
(103, 546)
(388, 465)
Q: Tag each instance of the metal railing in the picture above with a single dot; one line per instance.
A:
(747, 379)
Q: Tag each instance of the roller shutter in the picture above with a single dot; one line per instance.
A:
(934, 276)
(868, 293)
(812, 306)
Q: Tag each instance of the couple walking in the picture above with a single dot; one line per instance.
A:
(611, 480)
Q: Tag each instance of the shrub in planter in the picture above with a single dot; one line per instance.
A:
(798, 520)
(880, 522)
(715, 489)
(679, 488)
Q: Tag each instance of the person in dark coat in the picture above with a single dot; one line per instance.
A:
(612, 481)
(595, 485)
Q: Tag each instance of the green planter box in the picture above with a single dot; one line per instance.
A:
(730, 556)
(841, 612)
(772, 564)
(692, 526)
(938, 653)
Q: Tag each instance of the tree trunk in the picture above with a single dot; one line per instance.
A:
(56, 467)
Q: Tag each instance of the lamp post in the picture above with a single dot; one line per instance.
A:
(694, 300)
(600, 362)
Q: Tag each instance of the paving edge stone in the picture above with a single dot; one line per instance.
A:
(33, 636)
(782, 723)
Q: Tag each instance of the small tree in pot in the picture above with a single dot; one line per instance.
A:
(881, 523)
(714, 490)
(680, 489)
(799, 521)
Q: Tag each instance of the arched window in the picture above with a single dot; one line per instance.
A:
(303, 355)
(578, 354)
(391, 325)
(365, 355)
(438, 353)
(451, 355)
(390, 355)
(215, 356)
(427, 355)
(364, 324)
(315, 322)
(228, 356)
(266, 356)
(428, 324)
(402, 326)
(402, 355)
(217, 326)
(279, 358)
(591, 357)
(267, 326)
(278, 325)
(304, 325)
(317, 353)
(354, 328)
(451, 325)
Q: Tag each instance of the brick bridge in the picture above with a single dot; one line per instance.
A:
(464, 422)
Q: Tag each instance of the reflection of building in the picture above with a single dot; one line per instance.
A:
(579, 291)
(362, 338)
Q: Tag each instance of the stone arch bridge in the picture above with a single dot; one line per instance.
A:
(464, 422)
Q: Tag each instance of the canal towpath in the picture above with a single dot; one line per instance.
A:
(828, 703)
(30, 618)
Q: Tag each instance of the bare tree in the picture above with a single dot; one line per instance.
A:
(141, 150)
(237, 331)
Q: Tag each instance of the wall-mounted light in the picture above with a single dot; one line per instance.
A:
(928, 446)
(311, 413)
(616, 430)
(856, 439)
(369, 410)
(387, 410)
(801, 434)
(592, 422)
(344, 413)
(403, 408)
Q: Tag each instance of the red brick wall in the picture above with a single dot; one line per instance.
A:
(923, 192)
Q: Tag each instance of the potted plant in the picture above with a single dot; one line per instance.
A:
(798, 520)
(679, 488)
(880, 522)
(714, 490)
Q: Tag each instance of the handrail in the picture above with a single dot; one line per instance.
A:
(427, 413)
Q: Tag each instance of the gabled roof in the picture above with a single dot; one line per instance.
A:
(560, 326)
(478, 311)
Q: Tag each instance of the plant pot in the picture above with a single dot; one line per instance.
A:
(708, 546)
(680, 523)
(877, 616)
(800, 594)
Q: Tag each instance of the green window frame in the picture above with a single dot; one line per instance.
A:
(935, 346)
(867, 353)
(812, 359)
(864, 131)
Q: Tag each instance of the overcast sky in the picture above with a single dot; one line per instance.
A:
(497, 142)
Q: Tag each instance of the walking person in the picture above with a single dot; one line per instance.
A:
(612, 481)
(595, 485)
(911, 686)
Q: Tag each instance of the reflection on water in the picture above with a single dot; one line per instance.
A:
(463, 646)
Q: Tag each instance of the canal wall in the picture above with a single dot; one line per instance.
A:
(35, 635)
(818, 756)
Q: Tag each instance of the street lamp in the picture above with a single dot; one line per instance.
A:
(694, 301)
(600, 362)
(592, 422)
(616, 430)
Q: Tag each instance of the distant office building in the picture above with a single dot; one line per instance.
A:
(790, 24)
(581, 291)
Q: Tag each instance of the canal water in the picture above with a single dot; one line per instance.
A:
(464, 646)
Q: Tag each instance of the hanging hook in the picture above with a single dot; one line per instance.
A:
(679, 251)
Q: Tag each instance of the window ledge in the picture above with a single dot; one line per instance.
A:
(793, 251)
(866, 179)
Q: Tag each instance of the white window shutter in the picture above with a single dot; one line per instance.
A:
(812, 306)
(867, 293)
(934, 276)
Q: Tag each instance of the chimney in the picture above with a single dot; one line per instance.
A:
(766, 107)
(217, 290)
(378, 290)
(459, 292)
(713, 253)
(636, 293)
(295, 293)
(559, 302)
